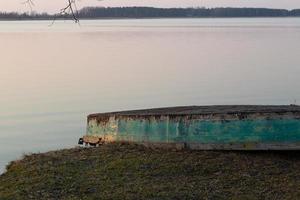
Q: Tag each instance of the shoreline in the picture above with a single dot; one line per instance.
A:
(140, 18)
(128, 171)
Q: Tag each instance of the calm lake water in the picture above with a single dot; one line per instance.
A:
(53, 76)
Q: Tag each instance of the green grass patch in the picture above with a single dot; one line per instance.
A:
(129, 171)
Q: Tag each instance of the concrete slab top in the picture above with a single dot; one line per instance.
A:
(203, 110)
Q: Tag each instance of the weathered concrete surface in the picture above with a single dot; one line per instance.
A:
(191, 110)
(205, 127)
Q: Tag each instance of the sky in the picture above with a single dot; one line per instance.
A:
(55, 5)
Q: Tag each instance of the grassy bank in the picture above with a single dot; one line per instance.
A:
(125, 171)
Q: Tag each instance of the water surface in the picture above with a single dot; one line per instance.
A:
(53, 76)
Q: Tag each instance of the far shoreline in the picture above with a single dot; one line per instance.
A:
(141, 18)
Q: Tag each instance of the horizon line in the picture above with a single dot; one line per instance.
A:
(190, 7)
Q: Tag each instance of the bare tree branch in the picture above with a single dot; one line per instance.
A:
(69, 10)
(29, 3)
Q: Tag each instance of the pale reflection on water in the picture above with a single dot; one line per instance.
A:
(52, 77)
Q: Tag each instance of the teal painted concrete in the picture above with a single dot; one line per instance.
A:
(220, 132)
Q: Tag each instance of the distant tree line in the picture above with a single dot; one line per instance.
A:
(150, 12)
(24, 16)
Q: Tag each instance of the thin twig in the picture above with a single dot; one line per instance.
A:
(29, 3)
(69, 10)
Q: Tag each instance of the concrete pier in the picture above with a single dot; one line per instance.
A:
(202, 127)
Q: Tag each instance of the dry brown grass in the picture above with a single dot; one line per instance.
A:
(128, 171)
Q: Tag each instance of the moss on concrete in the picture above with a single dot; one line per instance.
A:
(128, 171)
